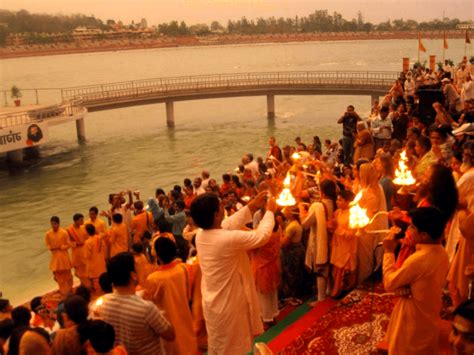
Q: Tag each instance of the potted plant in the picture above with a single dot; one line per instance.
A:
(16, 94)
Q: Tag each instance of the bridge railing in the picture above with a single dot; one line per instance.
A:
(113, 91)
(68, 108)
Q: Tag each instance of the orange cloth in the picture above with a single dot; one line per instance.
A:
(169, 289)
(100, 226)
(143, 268)
(265, 264)
(58, 243)
(95, 252)
(199, 323)
(118, 239)
(140, 224)
(78, 237)
(413, 327)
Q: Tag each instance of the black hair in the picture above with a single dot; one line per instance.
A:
(54, 219)
(203, 209)
(164, 226)
(120, 268)
(442, 190)
(187, 182)
(94, 209)
(159, 191)
(424, 142)
(347, 195)
(21, 316)
(105, 283)
(117, 218)
(138, 205)
(77, 216)
(384, 109)
(180, 204)
(465, 310)
(458, 156)
(165, 250)
(175, 194)
(428, 220)
(35, 137)
(137, 248)
(101, 335)
(90, 229)
(226, 177)
(6, 328)
(177, 188)
(35, 304)
(76, 309)
(84, 292)
(329, 189)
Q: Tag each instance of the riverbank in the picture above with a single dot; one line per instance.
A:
(87, 46)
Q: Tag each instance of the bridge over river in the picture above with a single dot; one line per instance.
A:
(77, 101)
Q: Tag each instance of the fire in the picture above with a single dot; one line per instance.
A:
(99, 302)
(357, 215)
(296, 156)
(286, 198)
(403, 175)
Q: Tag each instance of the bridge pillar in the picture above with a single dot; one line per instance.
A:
(81, 130)
(270, 106)
(373, 98)
(170, 113)
(15, 156)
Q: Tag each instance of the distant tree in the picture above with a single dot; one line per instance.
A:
(216, 26)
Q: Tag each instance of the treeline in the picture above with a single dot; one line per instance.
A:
(319, 21)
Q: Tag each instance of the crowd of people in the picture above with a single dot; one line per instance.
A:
(208, 265)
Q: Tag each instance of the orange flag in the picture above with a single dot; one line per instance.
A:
(421, 47)
(468, 40)
(445, 42)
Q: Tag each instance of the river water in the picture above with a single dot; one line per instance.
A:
(131, 148)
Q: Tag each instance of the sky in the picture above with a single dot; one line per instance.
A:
(204, 11)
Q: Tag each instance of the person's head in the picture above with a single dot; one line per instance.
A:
(117, 218)
(90, 229)
(344, 198)
(207, 211)
(121, 270)
(83, 292)
(6, 328)
(54, 223)
(438, 136)
(164, 226)
(468, 155)
(187, 182)
(165, 250)
(101, 336)
(422, 146)
(93, 213)
(361, 126)
(197, 182)
(226, 178)
(105, 283)
(138, 205)
(350, 109)
(462, 333)
(328, 190)
(78, 219)
(456, 162)
(272, 141)
(368, 176)
(21, 316)
(384, 111)
(384, 165)
(205, 174)
(159, 192)
(179, 205)
(36, 304)
(245, 159)
(427, 225)
(413, 133)
(136, 249)
(76, 311)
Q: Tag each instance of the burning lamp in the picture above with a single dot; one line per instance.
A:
(358, 218)
(403, 176)
(286, 198)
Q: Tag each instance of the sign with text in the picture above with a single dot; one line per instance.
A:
(19, 137)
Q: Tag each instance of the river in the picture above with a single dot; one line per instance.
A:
(131, 148)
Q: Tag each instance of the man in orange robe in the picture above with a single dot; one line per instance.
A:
(169, 289)
(100, 226)
(118, 235)
(57, 241)
(141, 223)
(95, 251)
(413, 327)
(77, 238)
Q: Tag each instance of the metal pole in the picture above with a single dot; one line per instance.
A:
(36, 92)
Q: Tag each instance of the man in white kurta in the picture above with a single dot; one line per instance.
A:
(230, 303)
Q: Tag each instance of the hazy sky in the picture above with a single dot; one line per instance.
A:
(195, 11)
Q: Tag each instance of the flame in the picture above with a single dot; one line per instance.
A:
(99, 302)
(286, 198)
(403, 175)
(296, 156)
(357, 215)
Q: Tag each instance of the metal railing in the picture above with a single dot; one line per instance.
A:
(66, 109)
(32, 96)
(169, 86)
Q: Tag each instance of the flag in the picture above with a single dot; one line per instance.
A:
(468, 40)
(421, 47)
(445, 42)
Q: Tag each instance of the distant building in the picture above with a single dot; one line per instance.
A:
(465, 26)
(143, 24)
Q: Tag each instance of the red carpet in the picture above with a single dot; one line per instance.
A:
(355, 325)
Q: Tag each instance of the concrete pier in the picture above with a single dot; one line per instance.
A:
(15, 156)
(270, 106)
(81, 130)
(170, 113)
